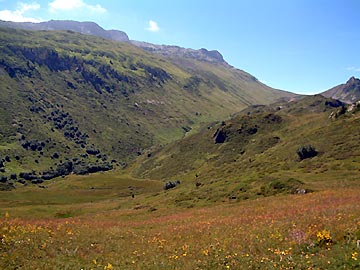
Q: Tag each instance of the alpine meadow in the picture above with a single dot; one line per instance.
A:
(121, 154)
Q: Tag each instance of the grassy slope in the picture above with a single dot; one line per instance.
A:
(264, 163)
(123, 98)
(93, 222)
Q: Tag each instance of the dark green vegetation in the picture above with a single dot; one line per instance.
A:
(72, 103)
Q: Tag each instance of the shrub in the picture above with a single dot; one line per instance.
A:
(306, 151)
(28, 175)
(92, 151)
(3, 179)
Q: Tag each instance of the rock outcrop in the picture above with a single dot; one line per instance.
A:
(348, 92)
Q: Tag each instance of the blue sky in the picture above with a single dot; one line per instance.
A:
(304, 46)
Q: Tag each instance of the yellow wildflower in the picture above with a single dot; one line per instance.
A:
(324, 237)
(109, 266)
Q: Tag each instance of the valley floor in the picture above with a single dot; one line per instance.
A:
(320, 230)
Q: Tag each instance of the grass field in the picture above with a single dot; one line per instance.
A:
(92, 222)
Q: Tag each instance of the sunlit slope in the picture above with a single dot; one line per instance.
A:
(96, 101)
(255, 153)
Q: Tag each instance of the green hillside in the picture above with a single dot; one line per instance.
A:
(255, 153)
(78, 103)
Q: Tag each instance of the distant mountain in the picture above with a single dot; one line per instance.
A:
(179, 52)
(91, 28)
(348, 92)
(88, 28)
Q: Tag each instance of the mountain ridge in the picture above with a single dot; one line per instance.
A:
(92, 28)
(89, 28)
(212, 56)
(348, 92)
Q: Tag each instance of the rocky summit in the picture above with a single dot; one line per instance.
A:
(348, 92)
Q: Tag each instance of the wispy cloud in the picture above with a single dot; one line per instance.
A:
(153, 26)
(69, 5)
(356, 69)
(19, 15)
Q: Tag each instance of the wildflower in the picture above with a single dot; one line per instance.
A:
(354, 256)
(206, 252)
(108, 267)
(175, 257)
(7, 215)
(324, 237)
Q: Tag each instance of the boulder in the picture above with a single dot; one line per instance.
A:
(219, 136)
(171, 184)
(306, 151)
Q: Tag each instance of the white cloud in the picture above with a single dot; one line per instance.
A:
(153, 26)
(18, 15)
(26, 7)
(68, 5)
